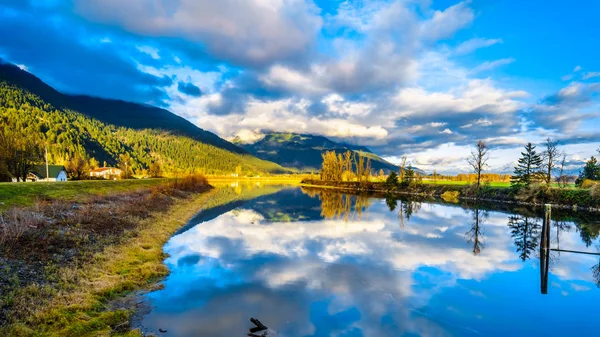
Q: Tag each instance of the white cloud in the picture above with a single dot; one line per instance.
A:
(591, 75)
(248, 32)
(577, 68)
(567, 77)
(489, 65)
(445, 23)
(474, 44)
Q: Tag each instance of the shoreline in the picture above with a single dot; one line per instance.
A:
(72, 292)
(488, 194)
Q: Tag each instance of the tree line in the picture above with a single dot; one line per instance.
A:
(538, 167)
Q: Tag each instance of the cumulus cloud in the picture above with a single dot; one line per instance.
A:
(378, 73)
(445, 23)
(568, 108)
(251, 32)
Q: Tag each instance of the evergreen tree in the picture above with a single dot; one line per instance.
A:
(392, 180)
(528, 169)
(591, 171)
(409, 176)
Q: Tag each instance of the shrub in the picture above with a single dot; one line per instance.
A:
(191, 183)
(16, 222)
(450, 196)
(595, 191)
(588, 183)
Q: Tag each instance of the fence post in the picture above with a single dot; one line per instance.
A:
(544, 249)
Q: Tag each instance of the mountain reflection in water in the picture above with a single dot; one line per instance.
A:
(321, 263)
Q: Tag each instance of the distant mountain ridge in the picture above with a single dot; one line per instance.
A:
(303, 151)
(104, 129)
(110, 111)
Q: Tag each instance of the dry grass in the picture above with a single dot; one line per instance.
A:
(92, 252)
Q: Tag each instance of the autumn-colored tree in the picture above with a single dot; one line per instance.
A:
(332, 167)
(77, 167)
(402, 168)
(20, 152)
(125, 165)
(93, 163)
(155, 170)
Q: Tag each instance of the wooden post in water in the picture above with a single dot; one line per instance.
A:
(544, 249)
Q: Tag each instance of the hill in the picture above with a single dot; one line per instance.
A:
(104, 129)
(109, 111)
(303, 151)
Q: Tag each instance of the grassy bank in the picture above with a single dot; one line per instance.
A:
(533, 196)
(63, 262)
(23, 194)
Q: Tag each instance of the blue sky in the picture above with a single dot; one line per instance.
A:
(425, 79)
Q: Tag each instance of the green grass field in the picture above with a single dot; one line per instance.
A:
(451, 182)
(492, 184)
(22, 194)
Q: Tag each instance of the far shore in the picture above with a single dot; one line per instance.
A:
(568, 198)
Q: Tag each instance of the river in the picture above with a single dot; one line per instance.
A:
(321, 263)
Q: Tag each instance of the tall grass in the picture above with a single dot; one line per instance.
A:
(79, 255)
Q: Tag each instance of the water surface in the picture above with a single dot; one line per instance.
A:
(325, 264)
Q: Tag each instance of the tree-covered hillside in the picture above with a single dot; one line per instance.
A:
(303, 151)
(69, 133)
(114, 112)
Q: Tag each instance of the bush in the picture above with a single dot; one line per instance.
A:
(595, 191)
(588, 183)
(191, 183)
(450, 196)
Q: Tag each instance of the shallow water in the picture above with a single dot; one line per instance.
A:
(326, 264)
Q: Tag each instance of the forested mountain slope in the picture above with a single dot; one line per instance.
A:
(30, 109)
(303, 151)
(115, 112)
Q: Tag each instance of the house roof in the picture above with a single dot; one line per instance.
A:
(53, 170)
(102, 169)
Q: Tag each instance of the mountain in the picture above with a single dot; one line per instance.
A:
(303, 151)
(105, 129)
(114, 112)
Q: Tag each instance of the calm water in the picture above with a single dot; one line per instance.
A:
(325, 264)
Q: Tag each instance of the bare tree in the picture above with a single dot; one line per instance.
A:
(562, 178)
(402, 168)
(478, 160)
(550, 157)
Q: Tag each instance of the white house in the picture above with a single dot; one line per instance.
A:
(55, 173)
(110, 173)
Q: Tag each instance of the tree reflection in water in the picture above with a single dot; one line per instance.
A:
(525, 231)
(475, 234)
(335, 205)
(405, 210)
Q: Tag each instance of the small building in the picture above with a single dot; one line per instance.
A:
(55, 173)
(110, 173)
